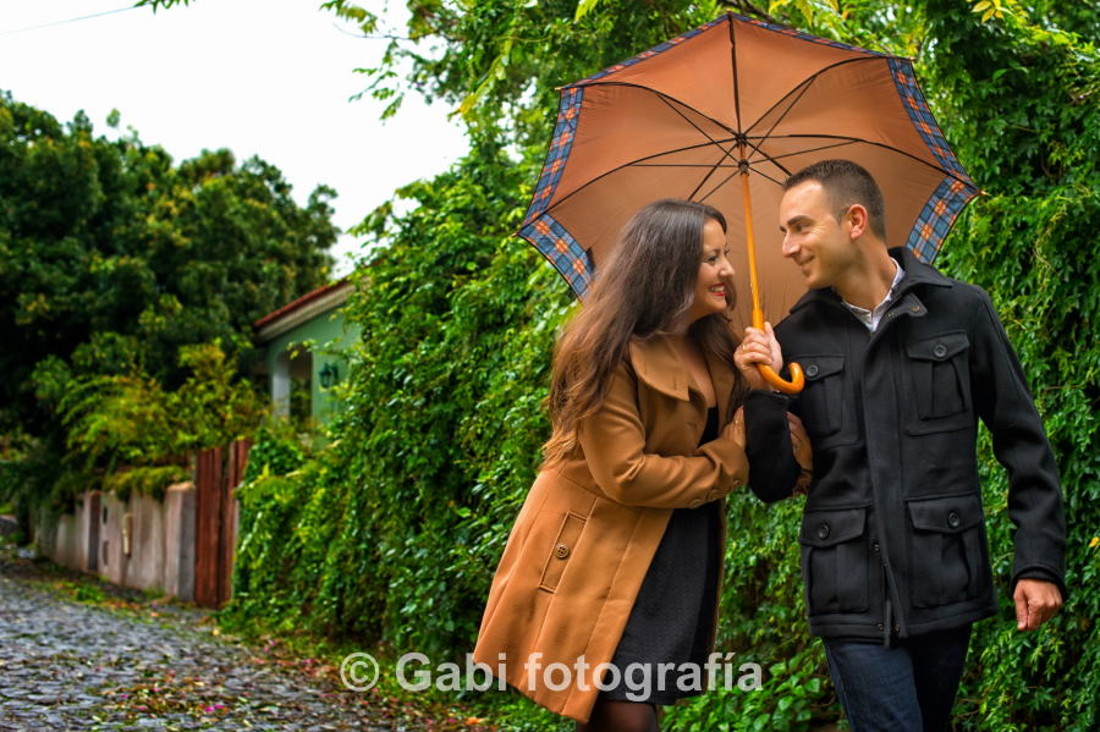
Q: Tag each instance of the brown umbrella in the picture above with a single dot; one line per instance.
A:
(723, 114)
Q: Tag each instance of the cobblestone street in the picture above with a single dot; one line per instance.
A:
(70, 665)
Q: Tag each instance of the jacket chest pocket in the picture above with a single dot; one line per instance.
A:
(562, 551)
(823, 406)
(939, 379)
(948, 558)
(835, 561)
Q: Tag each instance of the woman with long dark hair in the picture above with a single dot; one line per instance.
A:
(604, 603)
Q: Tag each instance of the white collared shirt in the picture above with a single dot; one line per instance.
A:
(871, 318)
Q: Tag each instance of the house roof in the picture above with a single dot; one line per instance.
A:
(305, 308)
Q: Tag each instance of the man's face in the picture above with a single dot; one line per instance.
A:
(813, 239)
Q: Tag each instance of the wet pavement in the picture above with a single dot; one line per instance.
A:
(77, 656)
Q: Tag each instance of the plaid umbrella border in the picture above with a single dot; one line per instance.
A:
(937, 217)
(562, 250)
(905, 81)
(569, 110)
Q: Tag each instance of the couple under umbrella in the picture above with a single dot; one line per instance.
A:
(604, 604)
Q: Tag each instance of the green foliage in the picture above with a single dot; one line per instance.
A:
(112, 258)
(147, 481)
(1023, 102)
(391, 535)
(131, 420)
(116, 267)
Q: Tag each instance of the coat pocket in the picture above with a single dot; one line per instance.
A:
(562, 550)
(948, 558)
(940, 382)
(823, 403)
(835, 560)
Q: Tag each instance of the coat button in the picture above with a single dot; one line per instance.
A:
(939, 350)
(874, 547)
(561, 551)
(823, 531)
(812, 370)
(953, 520)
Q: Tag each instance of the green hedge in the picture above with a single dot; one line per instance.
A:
(390, 536)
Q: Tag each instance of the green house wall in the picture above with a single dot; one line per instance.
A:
(327, 337)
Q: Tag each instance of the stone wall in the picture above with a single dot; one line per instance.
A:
(141, 543)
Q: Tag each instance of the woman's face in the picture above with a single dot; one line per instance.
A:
(715, 274)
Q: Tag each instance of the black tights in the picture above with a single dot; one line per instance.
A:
(620, 716)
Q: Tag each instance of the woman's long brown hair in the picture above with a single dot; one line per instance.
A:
(645, 288)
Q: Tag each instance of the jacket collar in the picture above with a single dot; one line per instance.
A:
(657, 363)
(917, 274)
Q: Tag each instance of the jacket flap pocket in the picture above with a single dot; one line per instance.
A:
(939, 348)
(564, 545)
(948, 515)
(826, 528)
(818, 367)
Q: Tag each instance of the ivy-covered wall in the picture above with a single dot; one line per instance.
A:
(390, 536)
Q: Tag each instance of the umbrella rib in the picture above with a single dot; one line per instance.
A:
(800, 90)
(676, 106)
(733, 69)
(640, 162)
(716, 143)
(719, 186)
(681, 165)
(843, 141)
(665, 97)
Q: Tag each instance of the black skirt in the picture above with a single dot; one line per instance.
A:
(671, 622)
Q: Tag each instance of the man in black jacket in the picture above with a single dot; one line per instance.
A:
(900, 363)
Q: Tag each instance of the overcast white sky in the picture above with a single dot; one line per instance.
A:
(265, 77)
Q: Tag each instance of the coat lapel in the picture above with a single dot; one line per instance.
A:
(656, 363)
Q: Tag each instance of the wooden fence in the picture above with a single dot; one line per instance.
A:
(218, 472)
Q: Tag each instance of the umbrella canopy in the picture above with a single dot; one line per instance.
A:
(686, 118)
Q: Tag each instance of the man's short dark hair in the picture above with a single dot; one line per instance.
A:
(846, 183)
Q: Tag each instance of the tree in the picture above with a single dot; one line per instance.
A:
(113, 258)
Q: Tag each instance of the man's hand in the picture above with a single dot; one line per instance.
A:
(1036, 602)
(758, 347)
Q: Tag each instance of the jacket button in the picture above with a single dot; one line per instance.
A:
(881, 626)
(812, 370)
(561, 551)
(823, 531)
(953, 520)
(874, 547)
(939, 351)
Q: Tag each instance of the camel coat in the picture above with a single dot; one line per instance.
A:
(586, 534)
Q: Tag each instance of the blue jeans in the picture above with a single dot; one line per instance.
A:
(908, 686)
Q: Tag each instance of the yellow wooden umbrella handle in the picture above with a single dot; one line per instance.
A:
(774, 380)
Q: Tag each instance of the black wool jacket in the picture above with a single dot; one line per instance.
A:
(893, 538)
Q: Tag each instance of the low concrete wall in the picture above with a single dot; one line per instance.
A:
(179, 541)
(142, 543)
